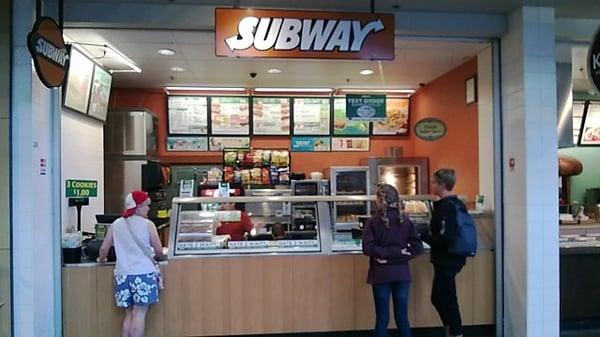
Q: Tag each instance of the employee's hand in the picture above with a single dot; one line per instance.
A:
(405, 251)
(382, 261)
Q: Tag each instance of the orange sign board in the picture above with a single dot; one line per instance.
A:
(303, 34)
(49, 52)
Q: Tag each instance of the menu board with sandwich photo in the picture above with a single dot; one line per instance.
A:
(79, 81)
(188, 115)
(230, 115)
(271, 116)
(396, 121)
(312, 116)
(344, 127)
(590, 130)
(98, 106)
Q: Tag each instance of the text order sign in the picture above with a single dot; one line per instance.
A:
(81, 188)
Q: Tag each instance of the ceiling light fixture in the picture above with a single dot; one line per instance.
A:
(166, 51)
(315, 90)
(366, 72)
(177, 69)
(391, 91)
(274, 71)
(110, 51)
(190, 88)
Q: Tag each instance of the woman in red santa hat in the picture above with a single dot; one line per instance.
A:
(136, 241)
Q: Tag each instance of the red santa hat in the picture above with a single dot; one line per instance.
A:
(133, 201)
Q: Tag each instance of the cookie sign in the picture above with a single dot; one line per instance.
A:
(430, 129)
(49, 52)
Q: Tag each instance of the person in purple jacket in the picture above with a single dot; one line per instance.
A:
(390, 240)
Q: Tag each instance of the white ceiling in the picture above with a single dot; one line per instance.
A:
(417, 61)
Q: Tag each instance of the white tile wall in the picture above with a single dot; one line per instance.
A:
(485, 109)
(34, 228)
(82, 148)
(530, 203)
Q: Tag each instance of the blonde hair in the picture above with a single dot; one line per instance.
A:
(388, 199)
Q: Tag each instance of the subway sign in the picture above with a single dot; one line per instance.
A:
(81, 188)
(49, 52)
(594, 61)
(303, 34)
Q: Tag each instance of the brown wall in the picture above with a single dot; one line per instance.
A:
(443, 98)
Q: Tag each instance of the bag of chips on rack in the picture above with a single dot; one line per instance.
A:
(274, 175)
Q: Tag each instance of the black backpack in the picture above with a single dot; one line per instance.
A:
(466, 233)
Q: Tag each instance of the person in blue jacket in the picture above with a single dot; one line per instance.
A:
(390, 240)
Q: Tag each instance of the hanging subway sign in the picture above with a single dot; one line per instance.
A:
(430, 129)
(365, 107)
(594, 61)
(303, 34)
(49, 52)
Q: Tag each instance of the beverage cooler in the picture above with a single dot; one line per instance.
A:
(409, 175)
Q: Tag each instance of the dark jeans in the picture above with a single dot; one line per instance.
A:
(381, 294)
(443, 297)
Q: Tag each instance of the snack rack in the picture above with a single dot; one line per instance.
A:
(256, 166)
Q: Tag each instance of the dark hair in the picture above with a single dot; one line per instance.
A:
(388, 197)
(445, 177)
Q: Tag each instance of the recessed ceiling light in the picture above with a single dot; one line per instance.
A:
(177, 69)
(190, 88)
(274, 71)
(315, 90)
(366, 72)
(166, 51)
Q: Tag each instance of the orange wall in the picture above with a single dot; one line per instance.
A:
(444, 98)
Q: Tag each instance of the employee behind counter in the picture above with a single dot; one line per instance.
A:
(236, 229)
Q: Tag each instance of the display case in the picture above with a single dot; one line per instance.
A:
(409, 175)
(281, 223)
(417, 207)
(346, 181)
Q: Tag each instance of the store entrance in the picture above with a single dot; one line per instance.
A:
(193, 124)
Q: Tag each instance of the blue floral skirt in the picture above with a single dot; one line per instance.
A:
(135, 289)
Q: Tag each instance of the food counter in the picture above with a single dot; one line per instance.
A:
(270, 287)
(579, 272)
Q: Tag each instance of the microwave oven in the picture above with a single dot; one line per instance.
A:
(310, 187)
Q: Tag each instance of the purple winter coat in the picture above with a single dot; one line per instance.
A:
(380, 242)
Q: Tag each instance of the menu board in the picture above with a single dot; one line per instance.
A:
(271, 116)
(311, 144)
(344, 127)
(396, 121)
(79, 81)
(187, 144)
(230, 115)
(590, 132)
(220, 143)
(188, 115)
(100, 93)
(311, 116)
(350, 144)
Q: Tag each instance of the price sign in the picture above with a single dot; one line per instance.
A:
(81, 188)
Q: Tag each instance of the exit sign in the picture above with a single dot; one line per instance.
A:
(81, 188)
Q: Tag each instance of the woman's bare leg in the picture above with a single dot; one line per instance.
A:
(125, 332)
(138, 321)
